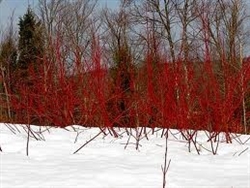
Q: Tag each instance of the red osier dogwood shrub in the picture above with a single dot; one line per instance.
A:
(181, 95)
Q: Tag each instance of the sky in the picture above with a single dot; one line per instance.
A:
(19, 7)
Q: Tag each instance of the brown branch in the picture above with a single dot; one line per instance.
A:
(88, 141)
(166, 165)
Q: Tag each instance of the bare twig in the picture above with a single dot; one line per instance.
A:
(28, 140)
(88, 141)
(30, 132)
(201, 146)
(129, 136)
(13, 130)
(166, 166)
(237, 138)
(246, 140)
(242, 151)
(78, 133)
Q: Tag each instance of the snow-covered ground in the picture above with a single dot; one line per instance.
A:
(104, 163)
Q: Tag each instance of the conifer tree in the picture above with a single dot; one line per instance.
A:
(30, 43)
(8, 56)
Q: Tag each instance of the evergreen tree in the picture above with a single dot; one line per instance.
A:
(8, 55)
(30, 44)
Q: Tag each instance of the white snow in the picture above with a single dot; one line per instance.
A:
(104, 163)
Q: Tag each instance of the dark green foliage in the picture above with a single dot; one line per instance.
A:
(247, 106)
(121, 74)
(8, 55)
(123, 63)
(8, 58)
(30, 44)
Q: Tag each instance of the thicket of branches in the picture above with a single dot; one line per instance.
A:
(162, 63)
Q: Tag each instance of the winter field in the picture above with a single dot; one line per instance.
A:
(105, 163)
